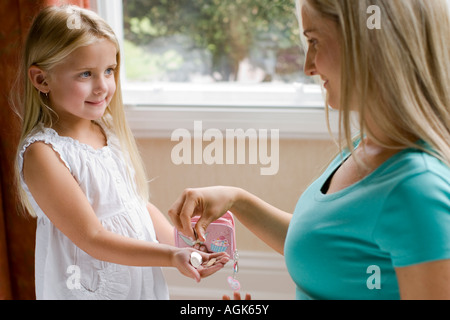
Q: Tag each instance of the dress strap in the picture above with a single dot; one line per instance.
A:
(49, 137)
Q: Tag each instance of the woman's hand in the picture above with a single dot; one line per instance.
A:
(211, 263)
(237, 296)
(209, 203)
(267, 222)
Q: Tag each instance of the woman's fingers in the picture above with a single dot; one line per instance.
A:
(237, 296)
(181, 213)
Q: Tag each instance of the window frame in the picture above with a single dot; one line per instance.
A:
(156, 110)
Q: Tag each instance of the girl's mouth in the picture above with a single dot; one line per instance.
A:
(96, 103)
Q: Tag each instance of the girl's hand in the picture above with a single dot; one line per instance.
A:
(209, 203)
(212, 262)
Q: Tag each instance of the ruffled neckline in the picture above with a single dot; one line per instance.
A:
(77, 143)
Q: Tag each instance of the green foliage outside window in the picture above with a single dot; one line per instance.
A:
(173, 39)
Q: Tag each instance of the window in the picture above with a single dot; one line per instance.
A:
(211, 41)
(228, 63)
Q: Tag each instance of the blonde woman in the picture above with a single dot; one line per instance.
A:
(376, 224)
(80, 173)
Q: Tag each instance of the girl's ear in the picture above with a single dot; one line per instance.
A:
(38, 79)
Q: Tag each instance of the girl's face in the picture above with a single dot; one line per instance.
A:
(324, 56)
(81, 87)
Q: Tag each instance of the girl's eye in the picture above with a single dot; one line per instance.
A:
(109, 71)
(85, 74)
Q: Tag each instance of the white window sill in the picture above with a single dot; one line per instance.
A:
(293, 123)
(156, 111)
(258, 95)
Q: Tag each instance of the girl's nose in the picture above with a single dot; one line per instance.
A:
(100, 86)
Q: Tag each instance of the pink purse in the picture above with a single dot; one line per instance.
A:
(220, 235)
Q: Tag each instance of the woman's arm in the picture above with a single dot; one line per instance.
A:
(270, 224)
(425, 281)
(65, 204)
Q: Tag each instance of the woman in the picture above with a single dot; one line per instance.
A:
(376, 224)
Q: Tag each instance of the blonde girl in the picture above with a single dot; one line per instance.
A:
(376, 223)
(80, 172)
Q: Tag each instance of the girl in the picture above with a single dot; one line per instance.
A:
(81, 174)
(376, 224)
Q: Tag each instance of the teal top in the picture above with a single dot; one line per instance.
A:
(346, 245)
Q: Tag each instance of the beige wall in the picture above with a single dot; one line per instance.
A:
(300, 161)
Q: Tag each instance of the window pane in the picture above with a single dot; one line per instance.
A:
(207, 41)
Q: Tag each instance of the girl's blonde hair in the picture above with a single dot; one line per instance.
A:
(55, 33)
(398, 75)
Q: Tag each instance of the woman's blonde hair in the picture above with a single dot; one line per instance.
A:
(399, 74)
(56, 32)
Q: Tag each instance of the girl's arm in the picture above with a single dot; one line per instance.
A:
(164, 230)
(270, 224)
(65, 204)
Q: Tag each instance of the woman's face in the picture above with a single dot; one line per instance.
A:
(324, 53)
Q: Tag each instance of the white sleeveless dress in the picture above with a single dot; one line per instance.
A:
(64, 271)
